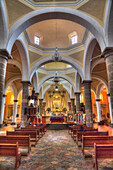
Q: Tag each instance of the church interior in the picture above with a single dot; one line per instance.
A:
(56, 84)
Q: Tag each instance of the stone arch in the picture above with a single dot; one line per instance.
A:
(51, 76)
(56, 13)
(108, 24)
(3, 25)
(102, 80)
(50, 59)
(66, 88)
(10, 81)
(87, 57)
(96, 62)
(22, 48)
(77, 82)
(100, 87)
(10, 61)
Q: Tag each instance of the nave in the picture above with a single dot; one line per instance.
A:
(56, 150)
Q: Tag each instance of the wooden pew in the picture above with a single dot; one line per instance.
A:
(88, 141)
(102, 151)
(33, 135)
(22, 141)
(85, 130)
(11, 150)
(41, 129)
(30, 129)
(89, 133)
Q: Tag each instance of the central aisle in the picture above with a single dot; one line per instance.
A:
(56, 150)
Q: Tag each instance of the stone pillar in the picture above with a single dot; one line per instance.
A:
(110, 108)
(88, 103)
(69, 105)
(44, 105)
(40, 106)
(4, 56)
(3, 105)
(77, 96)
(108, 55)
(98, 110)
(14, 112)
(25, 94)
(72, 104)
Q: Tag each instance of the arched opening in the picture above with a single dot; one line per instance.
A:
(9, 102)
(104, 106)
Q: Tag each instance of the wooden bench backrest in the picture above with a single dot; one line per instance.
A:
(88, 141)
(103, 151)
(33, 134)
(22, 140)
(90, 133)
(8, 149)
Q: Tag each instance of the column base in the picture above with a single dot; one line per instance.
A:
(111, 125)
(1, 125)
(13, 123)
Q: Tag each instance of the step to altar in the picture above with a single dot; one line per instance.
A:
(58, 126)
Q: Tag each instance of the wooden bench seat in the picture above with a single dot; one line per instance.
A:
(89, 133)
(40, 128)
(88, 141)
(23, 141)
(74, 133)
(101, 152)
(33, 135)
(11, 150)
(30, 129)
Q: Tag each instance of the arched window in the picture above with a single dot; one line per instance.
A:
(37, 40)
(74, 39)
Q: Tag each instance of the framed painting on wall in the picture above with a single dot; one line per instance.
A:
(70, 118)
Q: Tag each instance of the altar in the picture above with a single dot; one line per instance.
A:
(57, 119)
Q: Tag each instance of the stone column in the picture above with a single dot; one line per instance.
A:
(88, 103)
(4, 56)
(98, 110)
(69, 105)
(108, 55)
(77, 96)
(110, 108)
(40, 106)
(14, 112)
(3, 105)
(72, 104)
(25, 94)
(44, 105)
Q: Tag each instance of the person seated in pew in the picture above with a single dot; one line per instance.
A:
(81, 130)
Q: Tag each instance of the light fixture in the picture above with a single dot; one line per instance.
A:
(56, 88)
(56, 79)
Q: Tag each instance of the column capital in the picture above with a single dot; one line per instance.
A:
(40, 99)
(15, 100)
(37, 93)
(77, 93)
(4, 95)
(72, 99)
(107, 52)
(87, 81)
(97, 100)
(108, 94)
(4, 54)
(26, 82)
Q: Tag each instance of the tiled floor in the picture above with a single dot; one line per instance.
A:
(56, 150)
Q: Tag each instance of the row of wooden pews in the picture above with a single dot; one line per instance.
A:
(100, 142)
(16, 142)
